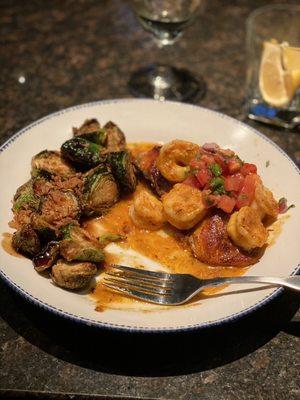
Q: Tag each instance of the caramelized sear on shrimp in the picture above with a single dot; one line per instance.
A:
(146, 212)
(183, 206)
(246, 229)
(174, 159)
(211, 244)
(264, 202)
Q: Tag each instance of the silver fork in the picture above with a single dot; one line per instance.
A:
(174, 289)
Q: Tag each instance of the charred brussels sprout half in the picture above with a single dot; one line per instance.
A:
(77, 245)
(115, 139)
(82, 152)
(98, 137)
(47, 257)
(100, 190)
(46, 232)
(91, 130)
(25, 198)
(26, 241)
(73, 275)
(48, 163)
(123, 170)
(60, 208)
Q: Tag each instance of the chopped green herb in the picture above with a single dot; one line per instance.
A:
(110, 237)
(267, 163)
(216, 182)
(220, 190)
(216, 169)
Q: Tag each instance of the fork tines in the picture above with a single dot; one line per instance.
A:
(146, 285)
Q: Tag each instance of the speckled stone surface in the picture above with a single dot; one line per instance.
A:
(71, 52)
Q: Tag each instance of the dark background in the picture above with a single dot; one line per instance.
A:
(72, 52)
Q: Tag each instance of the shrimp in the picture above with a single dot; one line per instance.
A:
(174, 158)
(246, 229)
(146, 212)
(264, 202)
(183, 206)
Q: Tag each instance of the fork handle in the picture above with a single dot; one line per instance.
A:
(291, 282)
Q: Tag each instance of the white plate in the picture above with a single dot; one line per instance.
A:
(147, 120)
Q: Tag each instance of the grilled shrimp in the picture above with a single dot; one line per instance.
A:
(174, 158)
(183, 206)
(146, 212)
(246, 229)
(264, 202)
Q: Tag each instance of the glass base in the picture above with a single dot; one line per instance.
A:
(162, 82)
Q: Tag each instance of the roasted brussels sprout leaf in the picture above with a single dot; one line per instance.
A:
(91, 130)
(107, 238)
(25, 198)
(98, 137)
(46, 232)
(47, 257)
(47, 162)
(59, 208)
(76, 244)
(100, 190)
(26, 241)
(73, 275)
(82, 152)
(123, 170)
(115, 140)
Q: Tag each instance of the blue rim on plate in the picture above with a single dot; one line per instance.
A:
(124, 328)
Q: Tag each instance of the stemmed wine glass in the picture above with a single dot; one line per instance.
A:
(166, 20)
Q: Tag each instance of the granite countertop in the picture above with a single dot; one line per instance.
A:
(56, 54)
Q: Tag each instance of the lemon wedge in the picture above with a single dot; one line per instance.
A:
(276, 85)
(291, 62)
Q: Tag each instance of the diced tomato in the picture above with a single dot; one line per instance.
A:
(234, 182)
(204, 176)
(219, 159)
(226, 203)
(192, 181)
(208, 159)
(248, 169)
(247, 192)
(234, 165)
(197, 164)
(210, 200)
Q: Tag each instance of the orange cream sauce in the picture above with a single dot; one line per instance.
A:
(7, 245)
(168, 247)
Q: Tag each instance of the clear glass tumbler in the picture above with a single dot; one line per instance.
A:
(273, 65)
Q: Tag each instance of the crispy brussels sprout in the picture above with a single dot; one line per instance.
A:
(76, 244)
(26, 241)
(123, 170)
(73, 275)
(100, 190)
(82, 152)
(115, 140)
(25, 198)
(48, 163)
(60, 208)
(46, 232)
(47, 257)
(91, 130)
(98, 137)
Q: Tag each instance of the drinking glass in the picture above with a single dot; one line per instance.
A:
(269, 26)
(166, 20)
